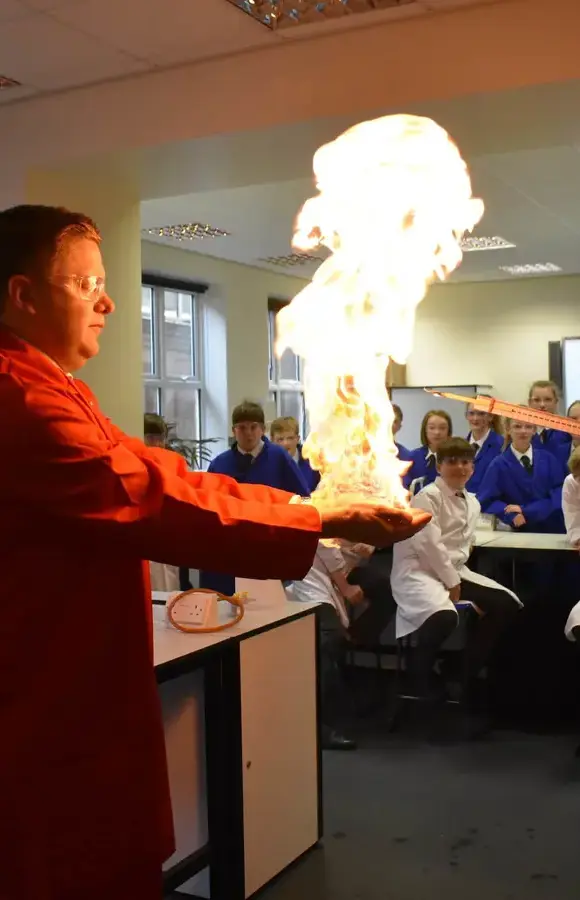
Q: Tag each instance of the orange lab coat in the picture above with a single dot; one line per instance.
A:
(83, 784)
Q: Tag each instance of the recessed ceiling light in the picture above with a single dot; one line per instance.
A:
(190, 232)
(531, 269)
(293, 259)
(471, 243)
(288, 13)
(6, 83)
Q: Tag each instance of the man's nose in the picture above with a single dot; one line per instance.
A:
(105, 305)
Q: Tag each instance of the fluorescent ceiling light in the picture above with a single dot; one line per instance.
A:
(531, 269)
(189, 232)
(294, 259)
(471, 243)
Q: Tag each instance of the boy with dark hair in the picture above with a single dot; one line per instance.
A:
(252, 459)
(285, 431)
(430, 575)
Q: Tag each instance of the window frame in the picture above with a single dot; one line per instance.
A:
(276, 384)
(159, 379)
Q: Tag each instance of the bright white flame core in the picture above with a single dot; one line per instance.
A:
(394, 202)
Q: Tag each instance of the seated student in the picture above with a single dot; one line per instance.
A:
(545, 395)
(574, 413)
(327, 582)
(436, 427)
(285, 432)
(252, 459)
(486, 438)
(523, 485)
(404, 454)
(571, 508)
(430, 574)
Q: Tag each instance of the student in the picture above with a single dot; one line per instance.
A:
(545, 395)
(523, 485)
(571, 508)
(327, 582)
(430, 574)
(285, 432)
(154, 430)
(436, 427)
(574, 413)
(404, 454)
(486, 438)
(252, 459)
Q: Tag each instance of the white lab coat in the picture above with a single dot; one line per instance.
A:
(571, 508)
(319, 586)
(428, 565)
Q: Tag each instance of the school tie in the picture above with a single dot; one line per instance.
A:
(431, 461)
(245, 462)
(545, 435)
(527, 464)
(476, 447)
(460, 494)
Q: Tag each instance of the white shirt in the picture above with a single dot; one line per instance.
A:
(529, 453)
(571, 508)
(479, 442)
(255, 452)
(318, 584)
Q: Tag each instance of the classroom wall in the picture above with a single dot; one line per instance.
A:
(242, 293)
(482, 333)
(493, 333)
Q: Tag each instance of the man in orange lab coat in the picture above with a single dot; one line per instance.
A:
(84, 800)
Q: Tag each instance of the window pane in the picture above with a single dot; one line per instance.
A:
(148, 335)
(178, 342)
(292, 404)
(180, 407)
(151, 399)
(289, 367)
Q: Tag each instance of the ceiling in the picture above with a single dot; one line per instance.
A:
(522, 148)
(56, 45)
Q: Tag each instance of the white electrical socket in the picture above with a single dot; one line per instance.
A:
(199, 609)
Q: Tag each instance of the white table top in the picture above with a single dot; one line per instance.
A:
(171, 644)
(508, 540)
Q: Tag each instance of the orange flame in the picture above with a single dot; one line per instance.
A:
(394, 200)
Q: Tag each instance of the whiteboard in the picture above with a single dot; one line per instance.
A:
(571, 370)
(415, 402)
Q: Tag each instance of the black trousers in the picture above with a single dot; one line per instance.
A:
(499, 610)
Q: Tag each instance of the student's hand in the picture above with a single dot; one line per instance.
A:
(367, 523)
(519, 520)
(365, 551)
(353, 594)
(512, 508)
(455, 593)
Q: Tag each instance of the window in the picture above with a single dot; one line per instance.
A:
(171, 355)
(285, 376)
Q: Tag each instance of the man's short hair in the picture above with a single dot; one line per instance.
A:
(284, 423)
(248, 411)
(455, 448)
(574, 462)
(31, 236)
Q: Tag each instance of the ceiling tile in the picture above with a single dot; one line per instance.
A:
(49, 55)
(172, 30)
(13, 9)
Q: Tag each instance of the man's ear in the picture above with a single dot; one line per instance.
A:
(19, 294)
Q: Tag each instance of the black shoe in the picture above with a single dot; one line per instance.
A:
(332, 740)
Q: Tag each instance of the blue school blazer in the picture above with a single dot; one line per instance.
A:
(489, 450)
(420, 469)
(311, 476)
(404, 454)
(556, 442)
(273, 467)
(539, 493)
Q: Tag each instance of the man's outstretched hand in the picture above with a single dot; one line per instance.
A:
(362, 523)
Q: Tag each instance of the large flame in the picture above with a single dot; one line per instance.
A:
(394, 202)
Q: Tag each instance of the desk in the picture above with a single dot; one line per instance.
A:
(525, 541)
(241, 721)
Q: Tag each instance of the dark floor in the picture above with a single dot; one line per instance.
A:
(409, 820)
